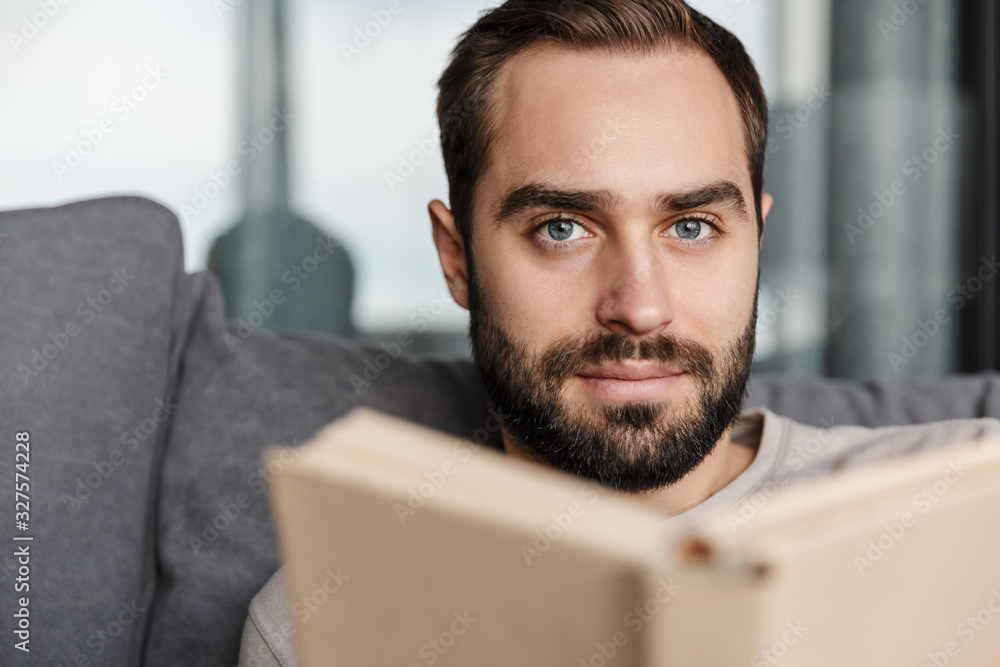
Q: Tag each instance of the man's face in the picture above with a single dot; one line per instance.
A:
(615, 249)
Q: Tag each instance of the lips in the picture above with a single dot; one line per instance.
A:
(630, 382)
(640, 371)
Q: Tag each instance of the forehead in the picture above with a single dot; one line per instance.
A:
(632, 123)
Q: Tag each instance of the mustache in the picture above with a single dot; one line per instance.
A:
(568, 357)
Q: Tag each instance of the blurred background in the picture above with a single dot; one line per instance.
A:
(879, 256)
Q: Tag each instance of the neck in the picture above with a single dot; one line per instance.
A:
(727, 460)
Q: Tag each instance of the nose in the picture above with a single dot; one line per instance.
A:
(635, 299)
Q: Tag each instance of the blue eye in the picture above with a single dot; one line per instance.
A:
(561, 230)
(689, 230)
(693, 232)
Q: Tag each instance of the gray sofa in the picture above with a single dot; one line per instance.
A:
(147, 413)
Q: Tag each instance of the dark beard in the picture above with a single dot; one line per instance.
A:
(631, 447)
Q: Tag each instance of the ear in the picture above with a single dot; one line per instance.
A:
(766, 202)
(451, 251)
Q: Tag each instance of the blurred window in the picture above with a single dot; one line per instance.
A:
(878, 256)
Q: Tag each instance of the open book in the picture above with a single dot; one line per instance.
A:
(405, 546)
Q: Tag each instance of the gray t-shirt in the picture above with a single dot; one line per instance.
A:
(787, 453)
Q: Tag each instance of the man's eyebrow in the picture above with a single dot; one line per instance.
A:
(723, 193)
(537, 195)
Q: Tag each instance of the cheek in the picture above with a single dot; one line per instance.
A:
(724, 297)
(533, 301)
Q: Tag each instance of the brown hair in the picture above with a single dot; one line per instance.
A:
(626, 26)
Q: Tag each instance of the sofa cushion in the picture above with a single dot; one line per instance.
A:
(87, 358)
(240, 391)
(886, 402)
